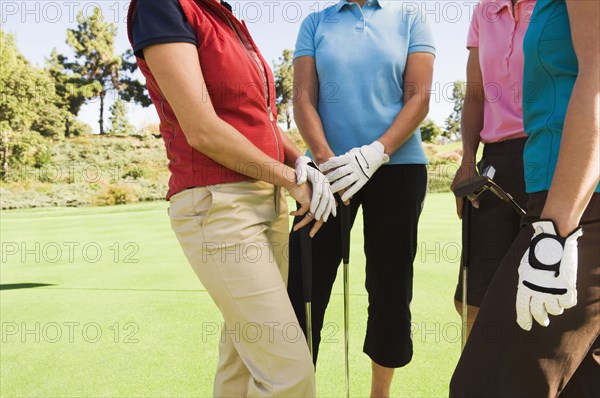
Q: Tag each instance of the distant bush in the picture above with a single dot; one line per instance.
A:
(430, 131)
(134, 174)
(442, 166)
(118, 194)
(78, 128)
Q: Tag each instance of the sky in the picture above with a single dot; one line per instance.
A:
(40, 26)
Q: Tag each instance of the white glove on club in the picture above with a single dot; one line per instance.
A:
(547, 275)
(352, 170)
(322, 203)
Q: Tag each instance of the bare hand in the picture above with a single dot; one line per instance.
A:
(303, 194)
(464, 172)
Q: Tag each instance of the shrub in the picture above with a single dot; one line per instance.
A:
(118, 194)
(134, 174)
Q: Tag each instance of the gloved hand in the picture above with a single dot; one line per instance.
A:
(352, 170)
(547, 275)
(322, 203)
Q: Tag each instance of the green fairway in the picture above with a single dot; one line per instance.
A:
(124, 315)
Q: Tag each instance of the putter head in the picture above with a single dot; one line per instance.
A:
(472, 188)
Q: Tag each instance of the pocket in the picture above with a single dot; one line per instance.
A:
(190, 208)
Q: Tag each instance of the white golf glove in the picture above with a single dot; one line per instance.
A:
(352, 170)
(322, 203)
(547, 275)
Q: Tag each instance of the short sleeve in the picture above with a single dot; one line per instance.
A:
(158, 22)
(473, 36)
(421, 37)
(305, 44)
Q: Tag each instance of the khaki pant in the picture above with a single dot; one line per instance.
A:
(237, 243)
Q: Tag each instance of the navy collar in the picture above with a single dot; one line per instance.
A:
(226, 5)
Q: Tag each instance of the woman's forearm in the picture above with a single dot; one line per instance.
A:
(578, 169)
(311, 129)
(225, 145)
(306, 94)
(472, 115)
(405, 124)
(472, 124)
(417, 88)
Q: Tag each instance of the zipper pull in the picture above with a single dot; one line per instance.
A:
(271, 116)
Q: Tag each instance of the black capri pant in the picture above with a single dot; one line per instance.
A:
(392, 202)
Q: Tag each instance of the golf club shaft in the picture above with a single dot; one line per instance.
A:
(345, 214)
(465, 262)
(306, 262)
(309, 340)
(346, 326)
(465, 309)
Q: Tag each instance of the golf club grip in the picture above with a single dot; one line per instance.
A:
(345, 214)
(306, 262)
(466, 233)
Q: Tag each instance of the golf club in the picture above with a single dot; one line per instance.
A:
(472, 189)
(306, 253)
(345, 214)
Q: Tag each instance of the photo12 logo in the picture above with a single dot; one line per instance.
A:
(69, 332)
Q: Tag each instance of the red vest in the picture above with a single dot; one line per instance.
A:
(240, 85)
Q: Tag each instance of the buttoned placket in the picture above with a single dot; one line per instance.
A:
(513, 11)
(359, 12)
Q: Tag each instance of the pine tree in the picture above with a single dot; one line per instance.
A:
(284, 87)
(453, 122)
(93, 41)
(71, 94)
(119, 123)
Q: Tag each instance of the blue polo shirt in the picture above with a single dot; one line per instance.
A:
(360, 54)
(550, 73)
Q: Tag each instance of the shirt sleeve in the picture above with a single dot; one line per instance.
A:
(158, 22)
(473, 36)
(421, 37)
(305, 44)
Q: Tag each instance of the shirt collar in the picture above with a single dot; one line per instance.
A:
(500, 4)
(342, 3)
(226, 5)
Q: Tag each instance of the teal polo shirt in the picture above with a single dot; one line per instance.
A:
(551, 69)
(361, 54)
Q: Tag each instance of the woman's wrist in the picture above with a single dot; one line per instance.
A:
(287, 178)
(323, 156)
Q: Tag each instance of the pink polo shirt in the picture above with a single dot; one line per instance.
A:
(498, 30)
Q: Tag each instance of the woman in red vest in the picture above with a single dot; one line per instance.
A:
(215, 97)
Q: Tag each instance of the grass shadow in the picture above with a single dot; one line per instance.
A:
(14, 286)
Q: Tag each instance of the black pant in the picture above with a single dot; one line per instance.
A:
(392, 202)
(494, 225)
(563, 359)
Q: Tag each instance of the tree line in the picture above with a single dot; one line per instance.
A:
(45, 101)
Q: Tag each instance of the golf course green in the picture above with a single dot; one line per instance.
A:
(100, 302)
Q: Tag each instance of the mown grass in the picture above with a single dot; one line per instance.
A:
(127, 279)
